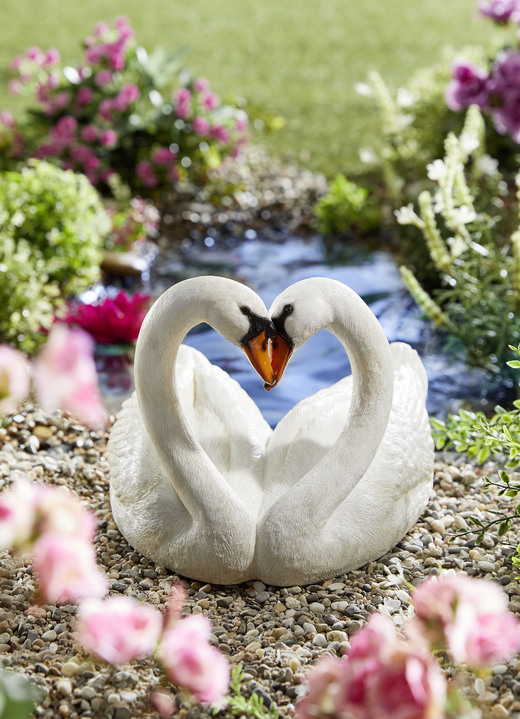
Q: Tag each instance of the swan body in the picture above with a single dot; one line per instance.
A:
(201, 484)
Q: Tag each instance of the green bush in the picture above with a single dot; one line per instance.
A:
(52, 226)
(346, 208)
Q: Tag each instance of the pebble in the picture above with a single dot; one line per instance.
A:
(275, 633)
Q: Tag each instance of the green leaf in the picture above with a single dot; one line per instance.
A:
(504, 476)
(503, 527)
(483, 455)
(515, 364)
(480, 538)
(512, 493)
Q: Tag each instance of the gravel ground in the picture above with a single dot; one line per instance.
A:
(274, 633)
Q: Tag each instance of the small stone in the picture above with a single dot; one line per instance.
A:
(70, 669)
(123, 713)
(64, 687)
(88, 693)
(43, 432)
(262, 597)
(499, 712)
(320, 641)
(317, 607)
(486, 567)
(49, 636)
(224, 601)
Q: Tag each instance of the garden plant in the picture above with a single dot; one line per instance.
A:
(129, 122)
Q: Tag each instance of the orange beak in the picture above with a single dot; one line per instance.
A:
(257, 352)
(281, 352)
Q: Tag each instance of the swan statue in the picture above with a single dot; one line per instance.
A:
(201, 484)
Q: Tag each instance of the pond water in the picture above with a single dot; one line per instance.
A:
(268, 267)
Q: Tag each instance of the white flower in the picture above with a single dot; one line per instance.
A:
(457, 246)
(404, 97)
(408, 216)
(367, 156)
(362, 88)
(463, 215)
(469, 143)
(436, 170)
(487, 165)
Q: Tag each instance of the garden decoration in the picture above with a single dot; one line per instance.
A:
(201, 484)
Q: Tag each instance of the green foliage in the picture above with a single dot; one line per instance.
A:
(52, 225)
(254, 705)
(17, 696)
(475, 258)
(346, 208)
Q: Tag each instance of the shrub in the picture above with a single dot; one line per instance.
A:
(52, 225)
(116, 113)
(346, 208)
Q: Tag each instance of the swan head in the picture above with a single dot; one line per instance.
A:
(298, 313)
(242, 318)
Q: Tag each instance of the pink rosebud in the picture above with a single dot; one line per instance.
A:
(124, 28)
(106, 108)
(175, 604)
(67, 569)
(118, 630)
(164, 704)
(200, 126)
(7, 119)
(220, 133)
(468, 87)
(191, 662)
(101, 29)
(127, 95)
(468, 617)
(35, 54)
(58, 511)
(15, 87)
(163, 156)
(381, 676)
(15, 375)
(65, 376)
(146, 174)
(500, 11)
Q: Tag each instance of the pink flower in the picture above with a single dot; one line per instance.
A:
(468, 617)
(164, 704)
(84, 96)
(500, 11)
(52, 57)
(209, 100)
(15, 374)
(116, 319)
(89, 133)
(201, 84)
(146, 174)
(108, 138)
(220, 133)
(127, 95)
(103, 78)
(382, 676)
(58, 511)
(468, 87)
(175, 604)
(65, 376)
(67, 569)
(163, 156)
(118, 630)
(191, 662)
(17, 515)
(200, 126)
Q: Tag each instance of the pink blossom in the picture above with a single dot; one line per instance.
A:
(242, 121)
(66, 569)
(201, 84)
(468, 617)
(127, 95)
(58, 511)
(381, 676)
(116, 319)
(15, 87)
(183, 110)
(84, 96)
(108, 138)
(52, 57)
(118, 630)
(89, 133)
(17, 515)
(219, 132)
(106, 108)
(101, 29)
(124, 27)
(15, 374)
(191, 662)
(209, 100)
(500, 11)
(65, 376)
(146, 174)
(163, 156)
(103, 78)
(35, 54)
(468, 87)
(164, 704)
(7, 119)
(200, 126)
(175, 604)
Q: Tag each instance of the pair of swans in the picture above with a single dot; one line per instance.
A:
(201, 484)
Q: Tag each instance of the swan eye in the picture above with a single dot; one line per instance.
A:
(287, 310)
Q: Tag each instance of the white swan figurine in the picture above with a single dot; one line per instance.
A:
(202, 485)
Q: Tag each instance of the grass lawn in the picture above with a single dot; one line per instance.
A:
(297, 58)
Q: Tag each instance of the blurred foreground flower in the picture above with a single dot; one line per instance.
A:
(113, 320)
(52, 526)
(468, 618)
(381, 676)
(118, 629)
(65, 376)
(15, 378)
